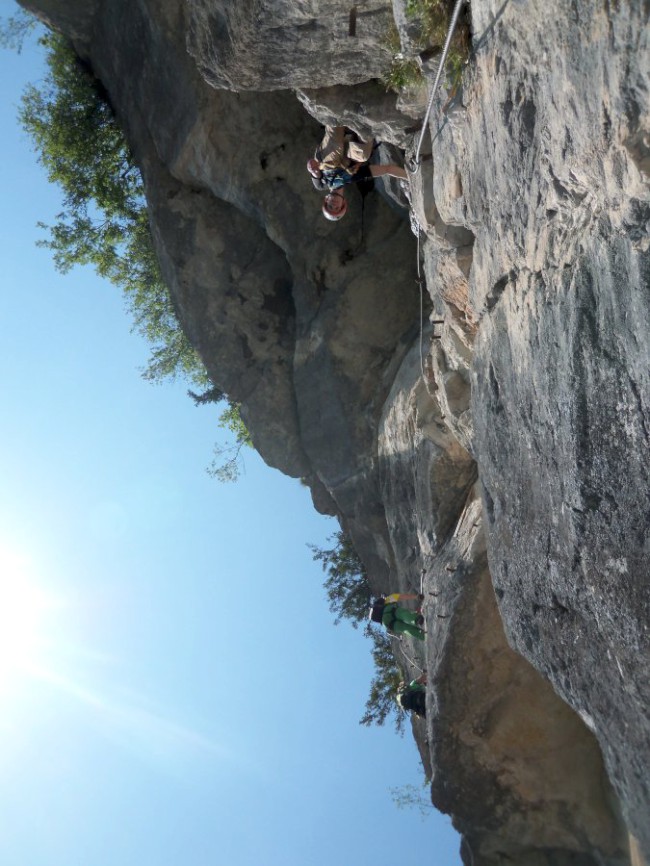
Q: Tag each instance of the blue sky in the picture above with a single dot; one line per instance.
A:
(185, 698)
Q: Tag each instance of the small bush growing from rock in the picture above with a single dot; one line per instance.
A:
(432, 17)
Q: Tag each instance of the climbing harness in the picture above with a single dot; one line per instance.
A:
(414, 163)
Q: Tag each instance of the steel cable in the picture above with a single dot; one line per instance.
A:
(414, 163)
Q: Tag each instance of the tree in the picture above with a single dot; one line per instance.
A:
(381, 704)
(347, 588)
(226, 465)
(15, 29)
(414, 797)
(349, 594)
(210, 395)
(104, 221)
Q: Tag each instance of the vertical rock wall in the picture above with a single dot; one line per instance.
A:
(532, 374)
(544, 157)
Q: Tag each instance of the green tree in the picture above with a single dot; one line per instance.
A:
(227, 463)
(347, 588)
(414, 797)
(210, 395)
(104, 222)
(15, 29)
(349, 594)
(381, 705)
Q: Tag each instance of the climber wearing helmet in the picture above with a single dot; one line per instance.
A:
(342, 158)
(334, 206)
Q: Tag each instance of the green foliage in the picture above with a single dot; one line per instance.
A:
(456, 62)
(347, 588)
(434, 19)
(227, 463)
(15, 30)
(402, 71)
(210, 395)
(349, 595)
(432, 16)
(414, 797)
(104, 221)
(381, 704)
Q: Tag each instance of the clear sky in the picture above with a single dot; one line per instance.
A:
(172, 689)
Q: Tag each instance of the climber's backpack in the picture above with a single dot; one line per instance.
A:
(412, 700)
(377, 609)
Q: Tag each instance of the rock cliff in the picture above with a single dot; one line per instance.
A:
(488, 437)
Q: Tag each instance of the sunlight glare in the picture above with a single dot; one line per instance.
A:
(22, 606)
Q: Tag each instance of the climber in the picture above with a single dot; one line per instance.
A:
(412, 697)
(342, 158)
(398, 619)
(334, 206)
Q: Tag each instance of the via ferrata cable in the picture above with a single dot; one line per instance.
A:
(414, 163)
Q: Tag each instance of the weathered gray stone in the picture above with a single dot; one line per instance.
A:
(369, 109)
(271, 44)
(493, 721)
(535, 235)
(490, 716)
(561, 360)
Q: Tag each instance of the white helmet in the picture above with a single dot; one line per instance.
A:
(334, 206)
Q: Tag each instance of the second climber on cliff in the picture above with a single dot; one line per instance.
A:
(397, 619)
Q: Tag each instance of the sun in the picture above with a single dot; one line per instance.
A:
(22, 611)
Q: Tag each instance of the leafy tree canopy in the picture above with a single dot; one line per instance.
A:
(381, 705)
(15, 29)
(414, 797)
(349, 595)
(227, 462)
(104, 220)
(347, 588)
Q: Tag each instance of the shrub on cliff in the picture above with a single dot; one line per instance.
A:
(431, 19)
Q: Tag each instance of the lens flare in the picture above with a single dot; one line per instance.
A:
(22, 610)
(35, 650)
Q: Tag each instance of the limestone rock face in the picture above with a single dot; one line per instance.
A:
(492, 720)
(544, 159)
(368, 108)
(484, 439)
(73, 17)
(269, 44)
